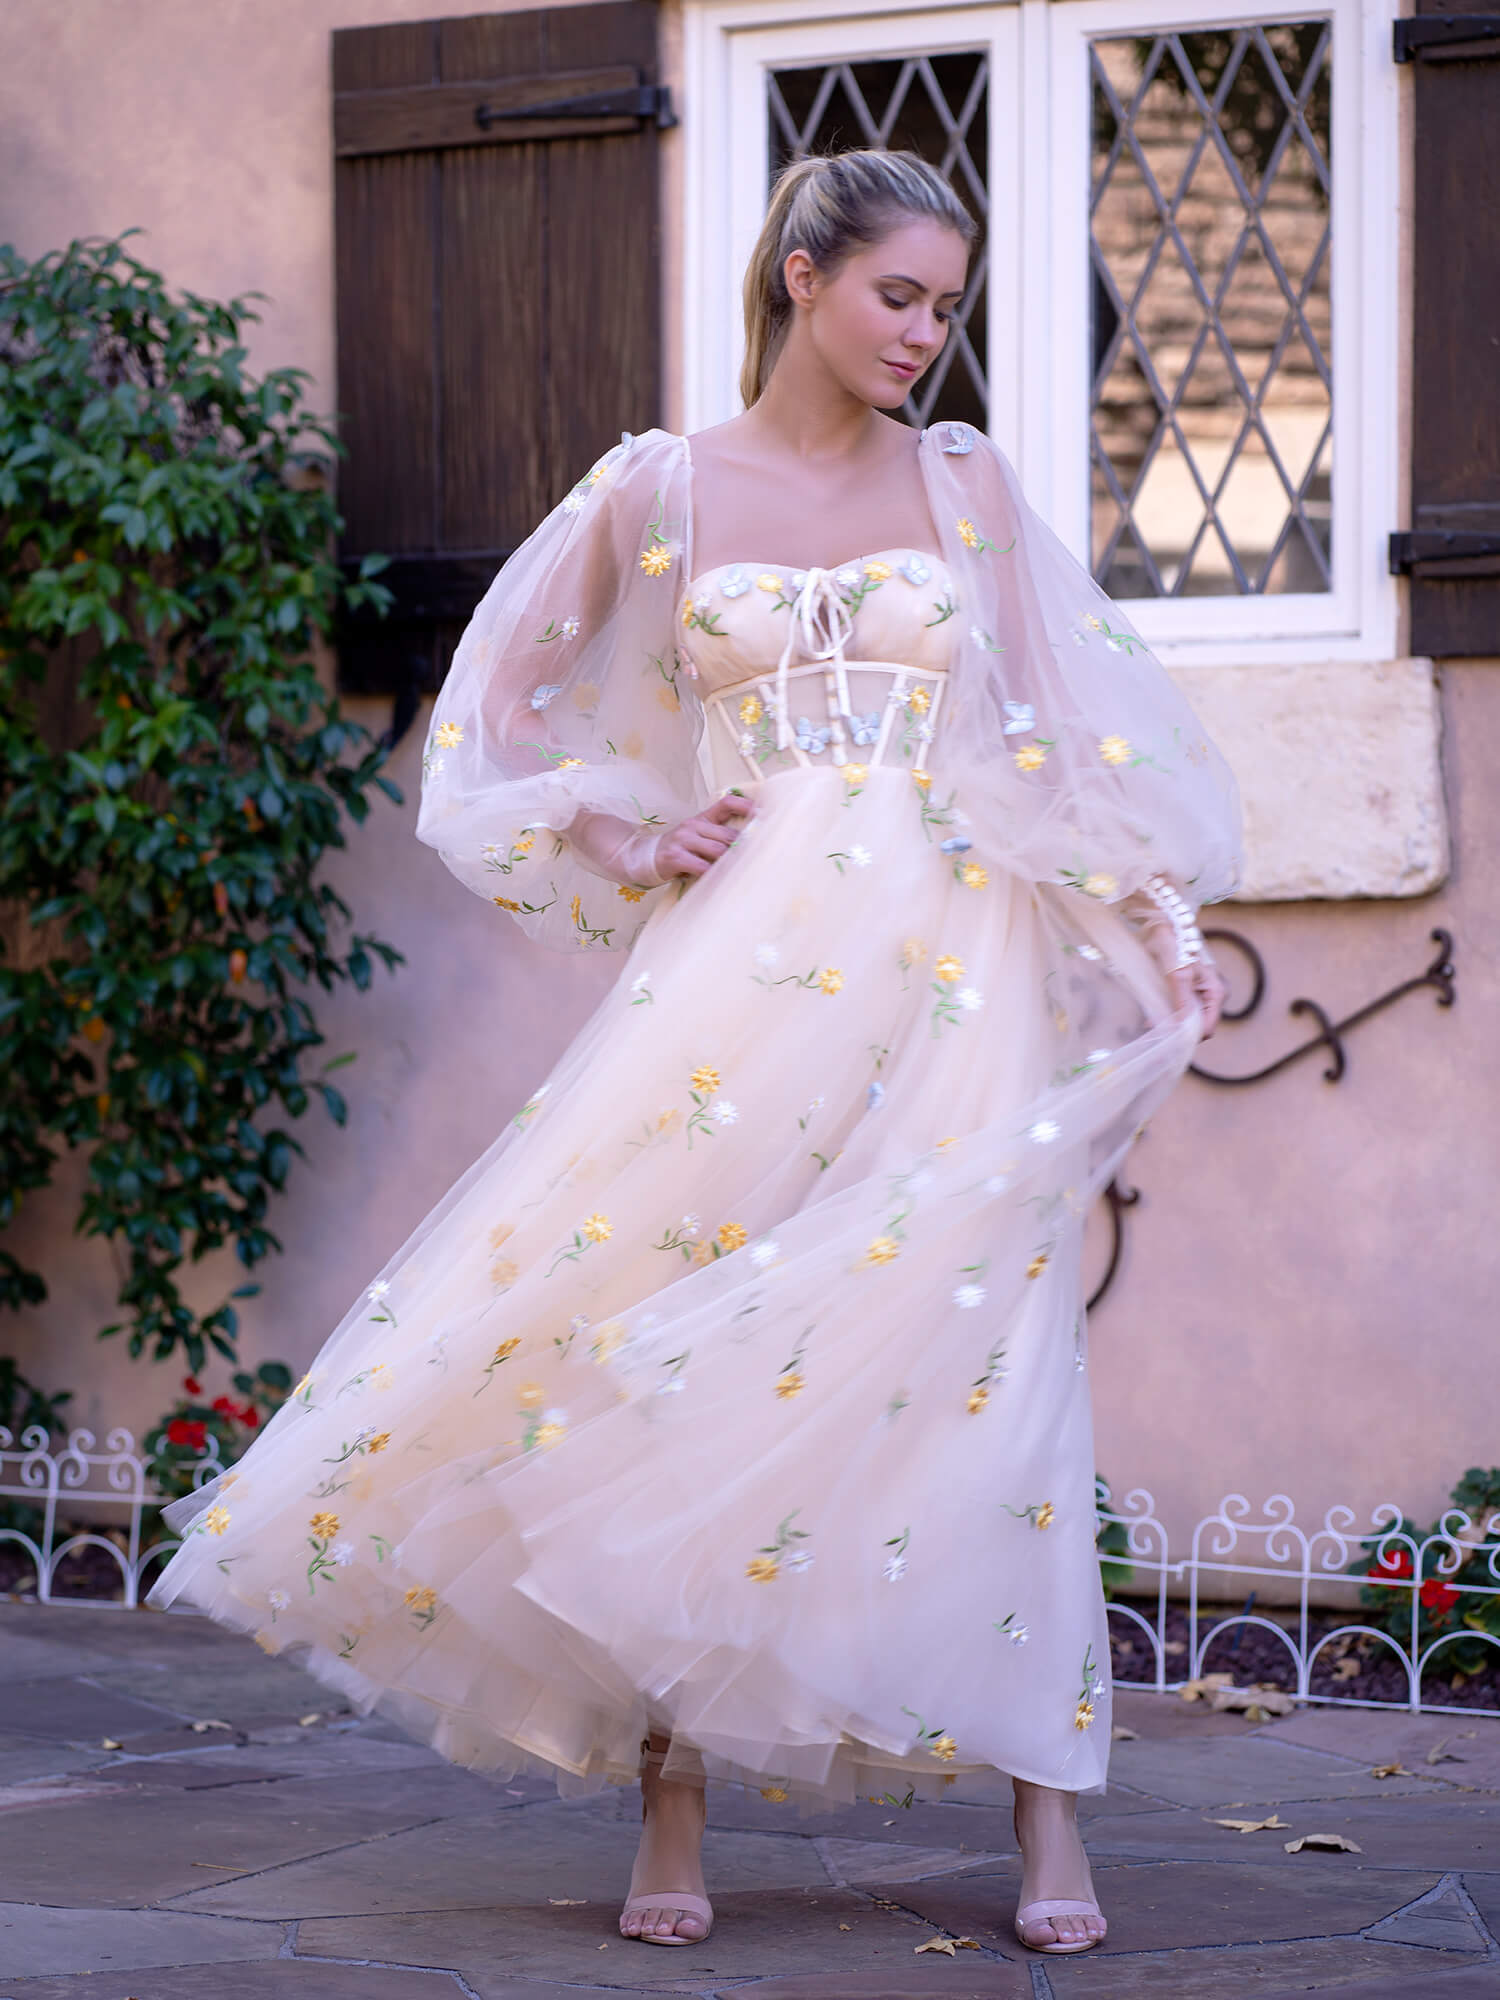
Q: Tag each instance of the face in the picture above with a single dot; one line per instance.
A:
(882, 319)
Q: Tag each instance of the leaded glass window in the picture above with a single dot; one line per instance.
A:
(1212, 422)
(936, 106)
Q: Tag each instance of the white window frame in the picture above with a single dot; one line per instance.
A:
(1039, 319)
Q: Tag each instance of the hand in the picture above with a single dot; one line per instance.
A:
(694, 845)
(1199, 985)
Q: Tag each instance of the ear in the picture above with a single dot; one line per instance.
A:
(800, 275)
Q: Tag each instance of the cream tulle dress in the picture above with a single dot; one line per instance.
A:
(740, 1388)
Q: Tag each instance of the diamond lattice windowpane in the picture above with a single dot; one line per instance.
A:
(936, 106)
(1210, 243)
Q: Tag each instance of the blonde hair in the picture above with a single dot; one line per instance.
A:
(830, 205)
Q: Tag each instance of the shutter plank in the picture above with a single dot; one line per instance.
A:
(381, 58)
(443, 115)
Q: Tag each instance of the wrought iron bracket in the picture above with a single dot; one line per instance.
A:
(645, 100)
(1119, 1199)
(1446, 38)
(1444, 545)
(1330, 1035)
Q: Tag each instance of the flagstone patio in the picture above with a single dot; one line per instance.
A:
(180, 1814)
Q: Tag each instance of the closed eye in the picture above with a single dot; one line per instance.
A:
(899, 305)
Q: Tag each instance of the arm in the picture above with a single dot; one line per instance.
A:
(645, 857)
(1170, 933)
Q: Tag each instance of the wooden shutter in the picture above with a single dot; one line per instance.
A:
(1455, 602)
(497, 295)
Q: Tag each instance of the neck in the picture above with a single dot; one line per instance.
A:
(807, 413)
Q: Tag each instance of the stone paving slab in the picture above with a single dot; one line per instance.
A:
(496, 1863)
(1164, 1904)
(963, 1978)
(1189, 1773)
(1450, 1830)
(76, 1712)
(37, 1939)
(1419, 1982)
(283, 1979)
(1257, 1972)
(788, 1933)
(1385, 1736)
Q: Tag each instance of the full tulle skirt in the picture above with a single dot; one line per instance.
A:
(739, 1389)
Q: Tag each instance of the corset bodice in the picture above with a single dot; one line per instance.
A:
(812, 667)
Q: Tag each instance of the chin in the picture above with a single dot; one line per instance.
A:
(888, 395)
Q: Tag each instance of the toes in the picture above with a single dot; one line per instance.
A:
(690, 1926)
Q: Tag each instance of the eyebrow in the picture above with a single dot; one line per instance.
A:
(900, 278)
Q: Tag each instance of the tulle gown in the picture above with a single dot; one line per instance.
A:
(740, 1388)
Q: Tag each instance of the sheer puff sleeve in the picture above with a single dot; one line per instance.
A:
(567, 707)
(1076, 758)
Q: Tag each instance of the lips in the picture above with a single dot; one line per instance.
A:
(906, 369)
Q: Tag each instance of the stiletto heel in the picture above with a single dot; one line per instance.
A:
(1043, 1911)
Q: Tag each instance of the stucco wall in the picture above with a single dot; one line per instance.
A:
(1305, 1299)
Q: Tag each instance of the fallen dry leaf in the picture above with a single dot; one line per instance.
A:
(112, 1743)
(1120, 1734)
(1253, 1825)
(1345, 1669)
(307, 1721)
(945, 1945)
(1259, 1703)
(198, 1728)
(1204, 1686)
(846, 1927)
(1333, 1840)
(1397, 1770)
(1439, 1755)
(968, 1944)
(567, 1902)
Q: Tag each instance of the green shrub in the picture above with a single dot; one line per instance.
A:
(1448, 1602)
(172, 775)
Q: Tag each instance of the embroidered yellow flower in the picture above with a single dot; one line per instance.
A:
(919, 701)
(530, 1396)
(751, 710)
(762, 1569)
(504, 1271)
(575, 910)
(1114, 750)
(609, 1337)
(631, 895)
(884, 1250)
(944, 1749)
(1083, 1715)
(1096, 623)
(421, 1597)
(656, 560)
(733, 1235)
(669, 699)
(1099, 885)
(216, 1520)
(598, 1228)
(913, 952)
(303, 1386)
(776, 1795)
(949, 969)
(922, 780)
(943, 1144)
(596, 475)
(830, 980)
(1046, 1514)
(973, 876)
(585, 695)
(705, 1078)
(877, 571)
(505, 903)
(571, 764)
(381, 1376)
(978, 1398)
(967, 534)
(1030, 757)
(505, 1350)
(768, 583)
(789, 1385)
(548, 1435)
(524, 842)
(703, 1253)
(1037, 1265)
(500, 1232)
(687, 612)
(448, 735)
(380, 1440)
(855, 774)
(324, 1526)
(665, 1120)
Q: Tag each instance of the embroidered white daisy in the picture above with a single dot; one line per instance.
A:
(814, 1104)
(764, 1253)
(969, 1296)
(969, 998)
(574, 502)
(1098, 1055)
(861, 856)
(798, 1559)
(997, 1184)
(1018, 1635)
(1044, 1131)
(277, 1599)
(1090, 951)
(571, 628)
(895, 1568)
(723, 1112)
(379, 1289)
(874, 1096)
(342, 1553)
(578, 1323)
(689, 1227)
(641, 981)
(767, 955)
(434, 767)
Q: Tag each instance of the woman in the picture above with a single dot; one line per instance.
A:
(739, 1413)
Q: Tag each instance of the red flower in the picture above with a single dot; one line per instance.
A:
(193, 1386)
(1392, 1566)
(250, 1416)
(223, 1407)
(187, 1430)
(1437, 1595)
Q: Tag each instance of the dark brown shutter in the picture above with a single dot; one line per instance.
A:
(1454, 46)
(497, 295)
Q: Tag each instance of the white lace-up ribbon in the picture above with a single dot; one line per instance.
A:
(822, 624)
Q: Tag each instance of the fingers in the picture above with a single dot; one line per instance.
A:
(695, 844)
(733, 805)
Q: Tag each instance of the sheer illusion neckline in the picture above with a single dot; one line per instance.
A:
(831, 569)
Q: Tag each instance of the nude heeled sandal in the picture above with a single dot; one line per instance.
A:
(666, 1899)
(1054, 1906)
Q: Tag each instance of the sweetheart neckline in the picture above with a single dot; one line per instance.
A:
(875, 555)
